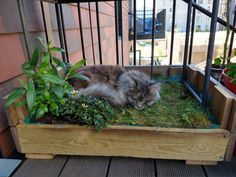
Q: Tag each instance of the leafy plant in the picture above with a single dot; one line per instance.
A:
(86, 111)
(45, 89)
(232, 71)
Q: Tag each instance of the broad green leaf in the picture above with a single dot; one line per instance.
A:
(16, 93)
(21, 103)
(47, 94)
(28, 69)
(52, 78)
(30, 95)
(41, 111)
(58, 90)
(80, 76)
(234, 51)
(35, 57)
(22, 83)
(76, 66)
(42, 42)
(57, 49)
(59, 62)
(45, 60)
(54, 70)
(217, 61)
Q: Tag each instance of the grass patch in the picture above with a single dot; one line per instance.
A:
(176, 108)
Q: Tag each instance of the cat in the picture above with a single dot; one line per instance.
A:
(118, 86)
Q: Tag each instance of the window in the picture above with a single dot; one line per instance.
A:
(209, 1)
(199, 19)
(170, 10)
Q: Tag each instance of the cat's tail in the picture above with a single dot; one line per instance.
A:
(114, 97)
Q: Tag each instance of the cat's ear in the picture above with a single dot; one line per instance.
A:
(154, 87)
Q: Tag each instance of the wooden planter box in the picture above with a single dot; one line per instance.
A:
(193, 145)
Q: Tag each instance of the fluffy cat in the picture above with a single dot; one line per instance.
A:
(118, 86)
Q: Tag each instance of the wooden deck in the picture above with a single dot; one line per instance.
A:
(81, 166)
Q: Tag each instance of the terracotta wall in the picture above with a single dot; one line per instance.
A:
(13, 52)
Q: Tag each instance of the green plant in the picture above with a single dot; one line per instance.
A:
(86, 111)
(45, 89)
(231, 71)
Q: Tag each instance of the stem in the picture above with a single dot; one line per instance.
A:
(227, 32)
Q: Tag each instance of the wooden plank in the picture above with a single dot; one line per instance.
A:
(200, 162)
(12, 116)
(186, 144)
(41, 168)
(131, 167)
(174, 168)
(232, 118)
(15, 138)
(230, 147)
(192, 75)
(85, 167)
(7, 166)
(221, 106)
(221, 170)
(6, 143)
(39, 156)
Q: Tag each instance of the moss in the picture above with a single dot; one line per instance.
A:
(176, 108)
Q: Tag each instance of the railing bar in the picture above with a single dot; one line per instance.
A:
(122, 44)
(91, 27)
(64, 33)
(98, 30)
(196, 96)
(232, 37)
(135, 37)
(60, 31)
(44, 21)
(25, 28)
(153, 34)
(209, 14)
(192, 35)
(210, 52)
(186, 45)
(144, 15)
(172, 32)
(81, 29)
(116, 32)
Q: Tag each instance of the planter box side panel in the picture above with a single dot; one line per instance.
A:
(186, 145)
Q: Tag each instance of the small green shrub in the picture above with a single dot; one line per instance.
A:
(86, 111)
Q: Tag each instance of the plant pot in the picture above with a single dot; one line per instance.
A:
(227, 81)
(216, 73)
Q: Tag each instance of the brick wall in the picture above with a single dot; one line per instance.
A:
(13, 52)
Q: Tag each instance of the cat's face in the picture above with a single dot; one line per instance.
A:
(145, 93)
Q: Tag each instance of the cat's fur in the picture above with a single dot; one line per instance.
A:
(118, 86)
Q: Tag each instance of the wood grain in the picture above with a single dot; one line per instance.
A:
(230, 147)
(15, 138)
(232, 118)
(221, 106)
(192, 75)
(200, 162)
(186, 144)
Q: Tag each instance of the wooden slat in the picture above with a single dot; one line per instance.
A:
(12, 116)
(131, 167)
(232, 118)
(41, 168)
(221, 106)
(170, 168)
(186, 144)
(81, 166)
(7, 166)
(15, 138)
(221, 170)
(192, 75)
(230, 147)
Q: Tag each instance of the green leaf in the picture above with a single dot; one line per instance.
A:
(234, 51)
(16, 93)
(30, 95)
(58, 90)
(41, 111)
(59, 62)
(57, 49)
(47, 94)
(54, 70)
(45, 61)
(52, 78)
(76, 66)
(22, 83)
(42, 42)
(35, 57)
(80, 76)
(217, 61)
(28, 69)
(21, 103)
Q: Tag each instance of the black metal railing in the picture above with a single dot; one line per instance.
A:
(142, 16)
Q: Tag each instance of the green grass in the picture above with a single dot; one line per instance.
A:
(176, 108)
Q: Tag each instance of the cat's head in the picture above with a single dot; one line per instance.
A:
(144, 93)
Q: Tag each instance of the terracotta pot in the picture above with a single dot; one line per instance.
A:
(227, 82)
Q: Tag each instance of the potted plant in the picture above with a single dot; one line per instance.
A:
(229, 77)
